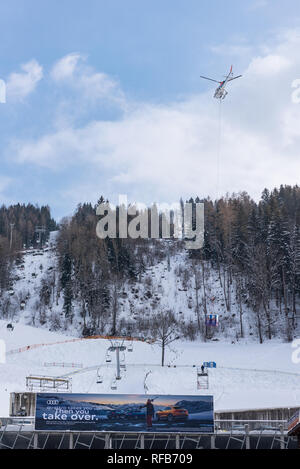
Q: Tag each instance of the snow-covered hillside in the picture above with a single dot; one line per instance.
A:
(21, 301)
(247, 375)
(160, 287)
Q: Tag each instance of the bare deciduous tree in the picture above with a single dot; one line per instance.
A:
(165, 330)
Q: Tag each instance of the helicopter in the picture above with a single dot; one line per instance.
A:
(221, 92)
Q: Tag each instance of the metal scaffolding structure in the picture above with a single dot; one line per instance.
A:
(202, 379)
(20, 434)
(48, 383)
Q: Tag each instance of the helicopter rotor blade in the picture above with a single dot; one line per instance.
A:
(206, 78)
(234, 78)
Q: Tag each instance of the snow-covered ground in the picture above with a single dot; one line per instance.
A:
(247, 375)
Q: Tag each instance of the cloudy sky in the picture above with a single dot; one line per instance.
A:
(105, 98)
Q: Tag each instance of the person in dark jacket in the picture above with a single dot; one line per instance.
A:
(149, 412)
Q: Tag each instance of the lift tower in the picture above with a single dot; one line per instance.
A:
(40, 230)
(117, 346)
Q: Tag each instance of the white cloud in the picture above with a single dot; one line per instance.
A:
(72, 71)
(160, 152)
(269, 65)
(65, 67)
(20, 85)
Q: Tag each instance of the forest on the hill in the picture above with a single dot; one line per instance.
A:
(253, 247)
(259, 246)
(18, 224)
(256, 246)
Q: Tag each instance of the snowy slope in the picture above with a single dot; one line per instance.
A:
(36, 265)
(247, 375)
(159, 288)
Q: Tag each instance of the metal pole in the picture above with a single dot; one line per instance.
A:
(118, 363)
(282, 445)
(35, 441)
(107, 441)
(71, 441)
(247, 436)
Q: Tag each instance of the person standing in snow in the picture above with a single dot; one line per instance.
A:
(202, 369)
(149, 412)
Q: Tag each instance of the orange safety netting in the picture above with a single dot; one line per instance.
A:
(34, 346)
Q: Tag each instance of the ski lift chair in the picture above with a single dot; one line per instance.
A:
(108, 357)
(99, 378)
(130, 347)
(113, 385)
(122, 361)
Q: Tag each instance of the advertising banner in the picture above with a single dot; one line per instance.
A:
(124, 413)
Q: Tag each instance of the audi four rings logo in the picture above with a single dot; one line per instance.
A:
(52, 402)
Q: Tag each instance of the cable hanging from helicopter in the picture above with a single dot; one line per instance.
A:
(220, 94)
